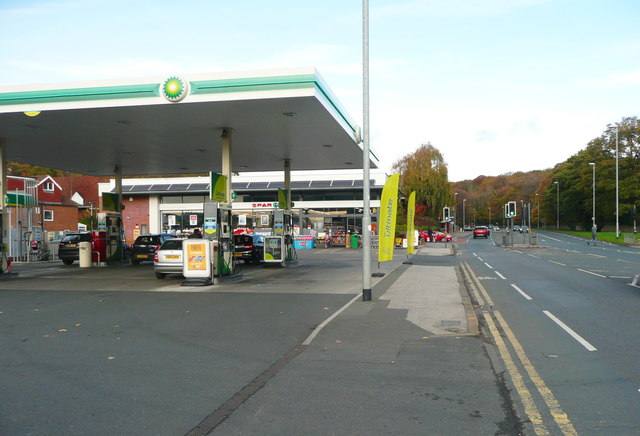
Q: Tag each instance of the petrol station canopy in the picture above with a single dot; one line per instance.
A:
(173, 125)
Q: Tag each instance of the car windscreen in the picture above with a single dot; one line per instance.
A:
(172, 244)
(74, 238)
(146, 240)
(243, 240)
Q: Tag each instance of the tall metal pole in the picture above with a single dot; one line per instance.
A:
(538, 201)
(455, 210)
(464, 201)
(366, 217)
(593, 165)
(557, 205)
(617, 209)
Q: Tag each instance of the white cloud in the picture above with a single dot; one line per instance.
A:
(445, 8)
(630, 77)
(511, 140)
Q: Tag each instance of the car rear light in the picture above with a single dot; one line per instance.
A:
(60, 245)
(156, 247)
(250, 247)
(155, 256)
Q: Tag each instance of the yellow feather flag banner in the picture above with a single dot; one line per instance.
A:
(411, 215)
(387, 223)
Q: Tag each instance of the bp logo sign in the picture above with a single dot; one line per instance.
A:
(174, 89)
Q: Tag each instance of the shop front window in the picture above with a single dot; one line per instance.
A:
(179, 222)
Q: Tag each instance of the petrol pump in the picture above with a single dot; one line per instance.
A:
(218, 230)
(279, 247)
(108, 238)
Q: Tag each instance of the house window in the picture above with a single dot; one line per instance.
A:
(48, 186)
(48, 215)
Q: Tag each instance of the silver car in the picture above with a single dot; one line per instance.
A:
(168, 258)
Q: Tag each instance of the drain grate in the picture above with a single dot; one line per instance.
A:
(450, 323)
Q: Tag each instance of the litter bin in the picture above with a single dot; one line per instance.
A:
(533, 239)
(85, 254)
(355, 239)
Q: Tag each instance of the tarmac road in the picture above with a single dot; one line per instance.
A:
(572, 310)
(111, 351)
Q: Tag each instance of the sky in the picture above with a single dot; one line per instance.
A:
(497, 86)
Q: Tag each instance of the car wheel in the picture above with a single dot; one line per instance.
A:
(67, 261)
(135, 262)
(475, 237)
(161, 276)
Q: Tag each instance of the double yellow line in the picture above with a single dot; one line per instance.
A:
(539, 426)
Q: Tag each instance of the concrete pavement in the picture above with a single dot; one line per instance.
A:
(410, 362)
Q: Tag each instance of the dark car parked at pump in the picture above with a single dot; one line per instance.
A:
(249, 248)
(145, 246)
(68, 248)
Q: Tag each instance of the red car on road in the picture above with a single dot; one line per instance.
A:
(480, 232)
(437, 236)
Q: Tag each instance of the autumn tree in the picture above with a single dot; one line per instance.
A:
(486, 195)
(425, 172)
(575, 178)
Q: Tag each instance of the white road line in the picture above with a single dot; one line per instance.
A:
(597, 255)
(500, 275)
(573, 334)
(315, 332)
(533, 255)
(480, 259)
(620, 277)
(557, 263)
(518, 251)
(553, 239)
(591, 272)
(488, 265)
(475, 254)
(524, 294)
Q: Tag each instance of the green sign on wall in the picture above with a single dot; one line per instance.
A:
(18, 199)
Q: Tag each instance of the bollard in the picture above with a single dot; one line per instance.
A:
(84, 249)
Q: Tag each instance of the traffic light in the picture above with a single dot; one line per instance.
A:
(511, 209)
(446, 214)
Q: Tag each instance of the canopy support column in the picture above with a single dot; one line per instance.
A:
(226, 160)
(287, 181)
(117, 173)
(4, 225)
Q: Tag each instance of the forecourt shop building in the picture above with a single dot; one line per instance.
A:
(269, 120)
(323, 201)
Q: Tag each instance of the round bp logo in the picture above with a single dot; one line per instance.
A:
(174, 88)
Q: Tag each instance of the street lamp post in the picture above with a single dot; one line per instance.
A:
(538, 202)
(593, 217)
(464, 201)
(557, 205)
(366, 195)
(455, 210)
(617, 209)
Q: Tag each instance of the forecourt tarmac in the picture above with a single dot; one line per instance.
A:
(112, 350)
